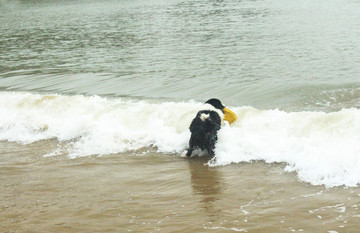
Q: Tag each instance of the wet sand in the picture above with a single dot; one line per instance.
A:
(162, 193)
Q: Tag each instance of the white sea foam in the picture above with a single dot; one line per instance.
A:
(322, 148)
(95, 125)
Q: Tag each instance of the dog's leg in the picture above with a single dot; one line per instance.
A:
(211, 152)
(211, 146)
(191, 146)
(189, 152)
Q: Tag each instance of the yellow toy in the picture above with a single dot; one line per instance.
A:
(229, 115)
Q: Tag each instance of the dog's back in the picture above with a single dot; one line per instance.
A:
(203, 130)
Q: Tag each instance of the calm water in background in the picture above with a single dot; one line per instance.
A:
(288, 55)
(271, 54)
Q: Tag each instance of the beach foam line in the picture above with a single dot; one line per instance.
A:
(322, 148)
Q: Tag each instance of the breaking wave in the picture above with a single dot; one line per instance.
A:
(322, 148)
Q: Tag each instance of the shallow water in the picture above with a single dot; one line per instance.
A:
(96, 98)
(153, 192)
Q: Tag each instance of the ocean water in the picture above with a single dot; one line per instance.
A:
(96, 99)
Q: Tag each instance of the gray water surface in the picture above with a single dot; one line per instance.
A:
(293, 55)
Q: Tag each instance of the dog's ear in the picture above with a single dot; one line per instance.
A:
(216, 103)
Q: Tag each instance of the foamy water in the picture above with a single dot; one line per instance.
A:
(322, 148)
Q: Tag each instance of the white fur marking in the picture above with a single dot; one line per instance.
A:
(204, 116)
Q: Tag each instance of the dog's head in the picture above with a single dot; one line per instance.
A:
(216, 103)
(229, 115)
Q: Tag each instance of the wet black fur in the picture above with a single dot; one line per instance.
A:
(204, 133)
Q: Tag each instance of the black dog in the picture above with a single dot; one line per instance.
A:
(204, 128)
